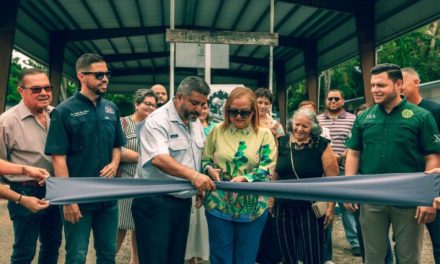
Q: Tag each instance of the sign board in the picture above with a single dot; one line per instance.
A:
(217, 99)
(192, 55)
(222, 37)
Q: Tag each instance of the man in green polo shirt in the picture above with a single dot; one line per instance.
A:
(392, 136)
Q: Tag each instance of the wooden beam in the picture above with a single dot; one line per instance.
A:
(192, 71)
(281, 87)
(57, 46)
(311, 69)
(111, 58)
(8, 21)
(106, 33)
(346, 6)
(365, 29)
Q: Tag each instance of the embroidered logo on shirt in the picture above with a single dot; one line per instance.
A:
(109, 110)
(437, 138)
(80, 113)
(370, 116)
(407, 113)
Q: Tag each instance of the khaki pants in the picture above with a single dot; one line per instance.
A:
(375, 222)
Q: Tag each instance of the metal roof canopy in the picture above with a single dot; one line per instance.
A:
(131, 34)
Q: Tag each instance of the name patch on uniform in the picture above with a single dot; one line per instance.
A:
(370, 116)
(80, 113)
(108, 109)
(174, 136)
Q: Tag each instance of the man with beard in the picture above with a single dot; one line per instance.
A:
(161, 93)
(23, 132)
(339, 123)
(393, 136)
(171, 145)
(85, 139)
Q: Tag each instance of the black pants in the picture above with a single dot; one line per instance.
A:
(161, 224)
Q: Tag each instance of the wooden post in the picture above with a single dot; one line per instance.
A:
(280, 75)
(311, 69)
(365, 28)
(8, 18)
(56, 58)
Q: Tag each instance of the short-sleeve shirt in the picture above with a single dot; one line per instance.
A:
(23, 138)
(340, 129)
(85, 133)
(396, 141)
(239, 152)
(163, 132)
(432, 107)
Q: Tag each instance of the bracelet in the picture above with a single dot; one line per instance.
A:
(19, 199)
(194, 177)
(23, 170)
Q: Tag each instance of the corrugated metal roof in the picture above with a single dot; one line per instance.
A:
(333, 27)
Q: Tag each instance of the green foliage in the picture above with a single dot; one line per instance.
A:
(418, 49)
(123, 101)
(13, 97)
(297, 94)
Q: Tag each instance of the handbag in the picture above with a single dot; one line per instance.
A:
(319, 208)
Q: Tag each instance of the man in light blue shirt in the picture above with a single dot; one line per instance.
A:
(171, 145)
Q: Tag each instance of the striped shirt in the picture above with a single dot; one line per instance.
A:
(340, 129)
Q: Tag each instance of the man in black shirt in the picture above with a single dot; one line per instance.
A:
(85, 139)
(411, 90)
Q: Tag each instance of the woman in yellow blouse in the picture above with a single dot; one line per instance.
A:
(237, 150)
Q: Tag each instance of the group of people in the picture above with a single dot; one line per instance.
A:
(175, 140)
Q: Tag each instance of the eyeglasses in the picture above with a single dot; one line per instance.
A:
(149, 104)
(243, 113)
(38, 89)
(99, 75)
(336, 99)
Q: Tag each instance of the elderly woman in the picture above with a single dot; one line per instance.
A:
(264, 102)
(303, 154)
(144, 104)
(238, 150)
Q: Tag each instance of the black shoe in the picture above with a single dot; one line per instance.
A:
(356, 251)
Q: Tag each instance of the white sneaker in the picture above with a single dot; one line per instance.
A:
(329, 262)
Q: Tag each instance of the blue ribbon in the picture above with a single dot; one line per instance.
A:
(410, 189)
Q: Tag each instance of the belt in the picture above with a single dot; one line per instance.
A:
(25, 183)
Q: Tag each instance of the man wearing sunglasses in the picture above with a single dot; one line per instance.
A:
(85, 140)
(23, 132)
(339, 122)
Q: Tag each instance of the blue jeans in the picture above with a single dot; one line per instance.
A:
(29, 227)
(349, 226)
(234, 242)
(104, 222)
(434, 232)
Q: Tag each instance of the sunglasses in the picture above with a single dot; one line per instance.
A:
(243, 113)
(336, 99)
(99, 75)
(38, 89)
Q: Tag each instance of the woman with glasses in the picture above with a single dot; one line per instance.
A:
(144, 104)
(303, 154)
(237, 150)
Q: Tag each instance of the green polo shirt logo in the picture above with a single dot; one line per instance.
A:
(407, 113)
